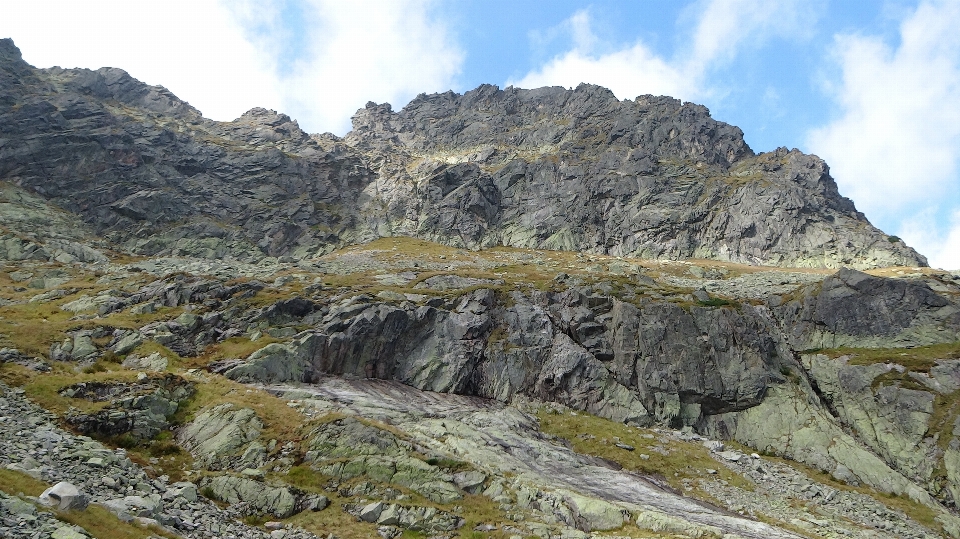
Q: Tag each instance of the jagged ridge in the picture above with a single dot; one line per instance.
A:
(546, 168)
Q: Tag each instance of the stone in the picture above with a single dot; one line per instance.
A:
(64, 495)
(16, 506)
(594, 514)
(279, 501)
(187, 321)
(371, 512)
(67, 532)
(154, 362)
(714, 446)
(732, 456)
(470, 481)
(252, 473)
(128, 343)
(390, 516)
(660, 522)
(219, 432)
(183, 489)
(143, 308)
(83, 347)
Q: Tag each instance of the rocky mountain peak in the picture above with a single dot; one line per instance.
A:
(9, 52)
(581, 123)
(545, 168)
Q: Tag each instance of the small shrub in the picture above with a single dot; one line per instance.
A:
(208, 493)
(125, 441)
(99, 366)
(164, 449)
(893, 239)
(451, 465)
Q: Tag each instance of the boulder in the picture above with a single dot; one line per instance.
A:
(260, 497)
(219, 433)
(154, 362)
(67, 532)
(64, 495)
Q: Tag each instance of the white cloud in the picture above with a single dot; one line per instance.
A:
(227, 56)
(941, 243)
(628, 73)
(720, 27)
(195, 48)
(388, 50)
(897, 141)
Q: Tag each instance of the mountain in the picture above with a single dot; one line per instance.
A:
(547, 169)
(508, 313)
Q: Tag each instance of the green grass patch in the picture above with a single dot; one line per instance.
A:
(917, 359)
(672, 460)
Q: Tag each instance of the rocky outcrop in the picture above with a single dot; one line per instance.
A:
(260, 498)
(140, 410)
(904, 414)
(417, 519)
(852, 308)
(220, 437)
(99, 475)
(546, 168)
(663, 179)
(345, 449)
(581, 347)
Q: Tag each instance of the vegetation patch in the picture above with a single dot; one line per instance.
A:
(675, 462)
(917, 359)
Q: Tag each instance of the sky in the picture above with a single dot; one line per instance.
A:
(873, 87)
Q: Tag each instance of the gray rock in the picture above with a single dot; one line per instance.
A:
(259, 497)
(128, 343)
(152, 363)
(471, 481)
(64, 495)
(219, 433)
(651, 177)
(67, 532)
(371, 512)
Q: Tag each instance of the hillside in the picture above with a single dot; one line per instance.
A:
(507, 314)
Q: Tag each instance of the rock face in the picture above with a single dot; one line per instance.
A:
(140, 410)
(260, 498)
(582, 347)
(547, 168)
(580, 170)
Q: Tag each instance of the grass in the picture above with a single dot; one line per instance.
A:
(715, 302)
(593, 435)
(281, 422)
(96, 520)
(44, 388)
(917, 359)
(234, 347)
(473, 509)
(33, 327)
